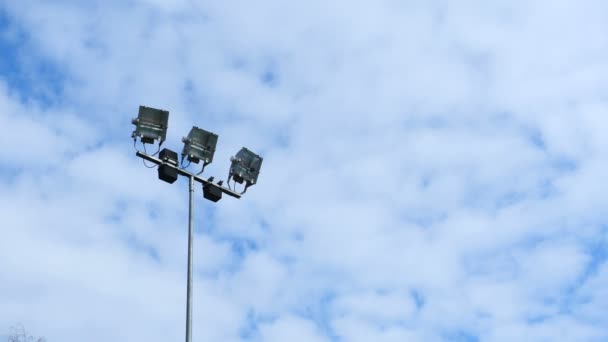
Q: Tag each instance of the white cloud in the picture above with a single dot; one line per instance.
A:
(292, 329)
(432, 171)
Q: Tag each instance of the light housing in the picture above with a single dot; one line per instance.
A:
(168, 170)
(199, 145)
(212, 192)
(168, 156)
(150, 125)
(167, 173)
(245, 167)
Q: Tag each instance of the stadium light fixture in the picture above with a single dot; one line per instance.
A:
(212, 192)
(150, 125)
(168, 170)
(199, 145)
(245, 167)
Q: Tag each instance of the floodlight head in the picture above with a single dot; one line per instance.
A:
(151, 124)
(168, 170)
(245, 167)
(212, 192)
(167, 173)
(199, 145)
(168, 156)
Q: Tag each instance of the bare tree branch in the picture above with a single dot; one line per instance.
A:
(18, 334)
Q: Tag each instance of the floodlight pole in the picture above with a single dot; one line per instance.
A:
(191, 179)
(189, 286)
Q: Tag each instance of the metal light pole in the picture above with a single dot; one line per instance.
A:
(189, 286)
(151, 125)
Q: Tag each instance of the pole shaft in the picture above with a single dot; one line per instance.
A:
(189, 288)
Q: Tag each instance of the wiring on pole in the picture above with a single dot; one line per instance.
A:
(182, 163)
(228, 181)
(155, 153)
(143, 160)
(202, 170)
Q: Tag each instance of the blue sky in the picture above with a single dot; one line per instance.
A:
(433, 171)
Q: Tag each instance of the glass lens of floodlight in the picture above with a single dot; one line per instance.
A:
(246, 166)
(200, 145)
(151, 124)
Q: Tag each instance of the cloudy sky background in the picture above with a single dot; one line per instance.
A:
(434, 171)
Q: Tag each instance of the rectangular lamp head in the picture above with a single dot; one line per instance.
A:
(246, 167)
(199, 145)
(167, 173)
(168, 156)
(151, 124)
(212, 192)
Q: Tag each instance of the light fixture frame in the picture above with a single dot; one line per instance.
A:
(199, 145)
(151, 125)
(245, 167)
